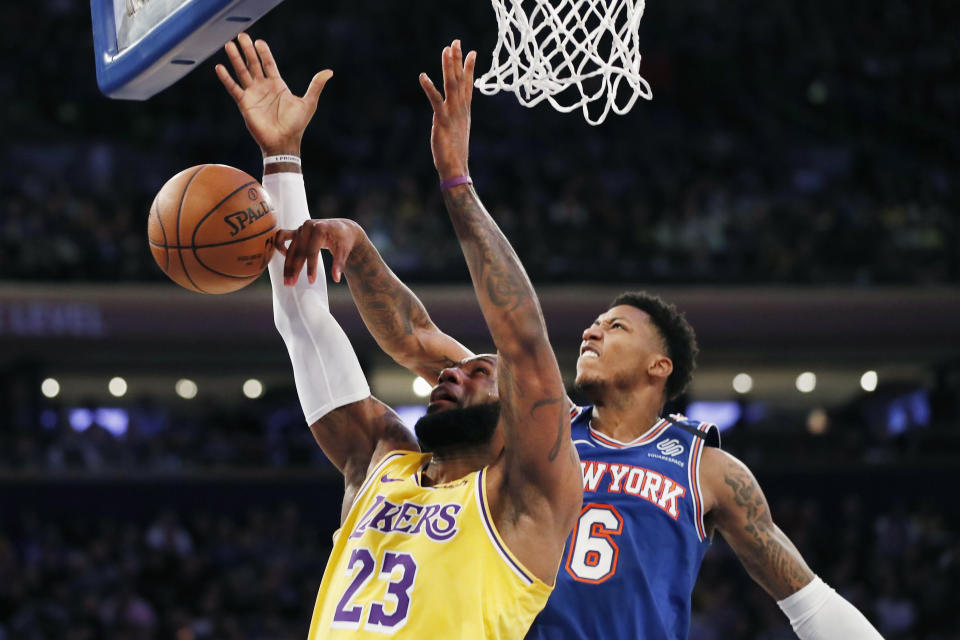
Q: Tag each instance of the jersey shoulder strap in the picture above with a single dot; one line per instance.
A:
(707, 431)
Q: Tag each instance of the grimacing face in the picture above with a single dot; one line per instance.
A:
(618, 348)
(470, 382)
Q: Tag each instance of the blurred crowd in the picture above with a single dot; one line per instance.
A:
(154, 438)
(787, 141)
(204, 575)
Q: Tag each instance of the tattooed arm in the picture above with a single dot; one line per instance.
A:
(538, 476)
(356, 436)
(737, 508)
(739, 511)
(393, 314)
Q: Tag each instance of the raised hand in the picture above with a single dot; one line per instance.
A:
(450, 137)
(275, 117)
(336, 235)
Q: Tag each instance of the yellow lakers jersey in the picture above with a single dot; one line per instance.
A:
(423, 562)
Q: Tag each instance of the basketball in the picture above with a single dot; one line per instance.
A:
(211, 228)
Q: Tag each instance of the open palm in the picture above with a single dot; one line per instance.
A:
(275, 117)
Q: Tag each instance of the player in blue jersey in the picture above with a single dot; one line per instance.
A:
(656, 488)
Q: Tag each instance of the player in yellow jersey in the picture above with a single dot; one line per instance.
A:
(465, 541)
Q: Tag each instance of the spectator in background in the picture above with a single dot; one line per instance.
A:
(253, 577)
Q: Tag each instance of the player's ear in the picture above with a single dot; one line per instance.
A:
(660, 367)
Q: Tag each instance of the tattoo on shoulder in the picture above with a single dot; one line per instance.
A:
(770, 553)
(746, 493)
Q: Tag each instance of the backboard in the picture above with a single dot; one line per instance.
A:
(144, 46)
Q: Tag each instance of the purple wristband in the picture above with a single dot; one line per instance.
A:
(455, 182)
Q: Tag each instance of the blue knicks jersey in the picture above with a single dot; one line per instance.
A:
(630, 563)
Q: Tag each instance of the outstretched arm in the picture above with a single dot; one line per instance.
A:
(739, 510)
(396, 318)
(350, 426)
(540, 471)
(277, 120)
(392, 312)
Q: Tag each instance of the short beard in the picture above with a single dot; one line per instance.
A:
(452, 430)
(592, 390)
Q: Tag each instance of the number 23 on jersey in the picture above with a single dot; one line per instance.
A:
(398, 570)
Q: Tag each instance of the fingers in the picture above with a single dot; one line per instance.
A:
(339, 253)
(239, 68)
(235, 91)
(449, 73)
(296, 256)
(307, 241)
(468, 68)
(312, 257)
(316, 238)
(316, 86)
(270, 69)
(281, 239)
(432, 94)
(253, 60)
(457, 61)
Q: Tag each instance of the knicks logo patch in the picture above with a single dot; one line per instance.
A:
(671, 447)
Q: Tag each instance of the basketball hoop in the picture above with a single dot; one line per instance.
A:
(571, 53)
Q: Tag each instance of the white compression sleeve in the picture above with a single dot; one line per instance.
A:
(325, 367)
(817, 612)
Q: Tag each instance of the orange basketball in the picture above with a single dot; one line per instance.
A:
(211, 228)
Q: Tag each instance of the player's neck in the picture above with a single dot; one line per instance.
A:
(627, 416)
(452, 465)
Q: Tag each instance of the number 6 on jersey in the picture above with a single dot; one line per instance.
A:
(593, 550)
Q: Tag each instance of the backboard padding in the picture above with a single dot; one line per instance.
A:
(171, 49)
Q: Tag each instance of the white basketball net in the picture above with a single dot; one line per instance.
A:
(548, 49)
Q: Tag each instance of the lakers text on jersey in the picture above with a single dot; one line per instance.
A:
(423, 562)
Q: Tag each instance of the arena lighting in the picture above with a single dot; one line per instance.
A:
(112, 419)
(806, 382)
(742, 383)
(117, 387)
(410, 414)
(421, 387)
(186, 388)
(868, 381)
(818, 422)
(50, 388)
(253, 388)
(80, 419)
(724, 414)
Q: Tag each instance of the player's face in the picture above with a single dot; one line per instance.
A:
(468, 383)
(618, 348)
